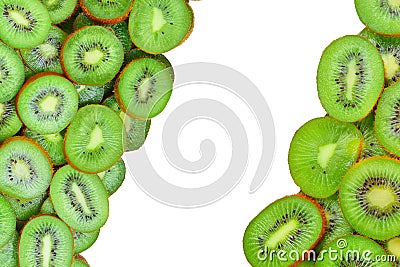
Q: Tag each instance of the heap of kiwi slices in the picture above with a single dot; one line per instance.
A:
(80, 81)
(345, 162)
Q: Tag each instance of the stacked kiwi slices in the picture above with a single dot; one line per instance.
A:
(347, 162)
(80, 81)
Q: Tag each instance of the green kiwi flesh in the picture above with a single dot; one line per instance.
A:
(47, 207)
(9, 121)
(105, 11)
(83, 241)
(113, 177)
(90, 94)
(9, 253)
(392, 247)
(80, 261)
(350, 78)
(7, 222)
(25, 209)
(60, 10)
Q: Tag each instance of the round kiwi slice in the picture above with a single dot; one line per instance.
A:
(113, 177)
(90, 94)
(353, 250)
(60, 10)
(79, 199)
(83, 241)
(46, 56)
(143, 88)
(321, 152)
(9, 121)
(94, 140)
(370, 197)
(158, 26)
(389, 48)
(8, 253)
(25, 168)
(24, 23)
(293, 223)
(392, 247)
(350, 78)
(25, 209)
(47, 207)
(7, 222)
(92, 55)
(380, 16)
(80, 261)
(47, 103)
(46, 241)
(106, 11)
(387, 119)
(12, 73)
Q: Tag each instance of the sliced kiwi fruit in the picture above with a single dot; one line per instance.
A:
(47, 207)
(67, 25)
(143, 88)
(350, 78)
(7, 222)
(46, 241)
(392, 247)
(60, 10)
(79, 199)
(83, 241)
(90, 94)
(387, 124)
(9, 253)
(94, 140)
(24, 23)
(46, 56)
(371, 147)
(106, 11)
(28, 73)
(113, 177)
(112, 103)
(12, 73)
(381, 16)
(353, 250)
(293, 223)
(159, 26)
(25, 209)
(80, 261)
(92, 55)
(370, 197)
(52, 143)
(321, 152)
(25, 168)
(389, 48)
(307, 264)
(10, 124)
(82, 21)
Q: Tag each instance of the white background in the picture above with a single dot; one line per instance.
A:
(277, 44)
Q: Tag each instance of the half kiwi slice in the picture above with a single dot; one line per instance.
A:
(105, 11)
(350, 78)
(370, 198)
(46, 241)
(60, 10)
(94, 140)
(24, 23)
(7, 222)
(25, 168)
(9, 253)
(143, 88)
(9, 121)
(321, 152)
(158, 26)
(79, 199)
(47, 103)
(92, 55)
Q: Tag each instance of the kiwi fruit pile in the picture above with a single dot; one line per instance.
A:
(80, 82)
(347, 162)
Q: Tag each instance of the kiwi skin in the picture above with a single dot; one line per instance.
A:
(105, 21)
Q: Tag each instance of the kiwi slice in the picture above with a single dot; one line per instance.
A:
(90, 94)
(94, 142)
(387, 124)
(60, 10)
(392, 247)
(25, 209)
(8, 253)
(46, 241)
(370, 198)
(79, 199)
(28, 73)
(354, 250)
(9, 121)
(47, 207)
(7, 222)
(92, 55)
(67, 25)
(106, 11)
(158, 26)
(113, 177)
(350, 78)
(12, 74)
(25, 168)
(80, 261)
(82, 21)
(380, 16)
(46, 56)
(321, 152)
(52, 143)
(143, 88)
(293, 223)
(389, 48)
(24, 23)
(83, 241)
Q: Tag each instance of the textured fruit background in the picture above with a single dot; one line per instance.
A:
(277, 45)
